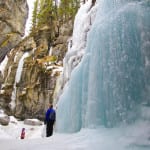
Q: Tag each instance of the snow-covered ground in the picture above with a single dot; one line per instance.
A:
(121, 138)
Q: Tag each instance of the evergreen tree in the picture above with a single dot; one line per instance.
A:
(34, 16)
(46, 13)
(68, 9)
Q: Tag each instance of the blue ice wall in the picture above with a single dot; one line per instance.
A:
(112, 81)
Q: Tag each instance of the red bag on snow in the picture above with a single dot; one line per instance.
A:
(22, 133)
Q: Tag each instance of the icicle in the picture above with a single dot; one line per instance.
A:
(17, 79)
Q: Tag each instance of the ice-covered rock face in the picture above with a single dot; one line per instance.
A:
(13, 15)
(111, 83)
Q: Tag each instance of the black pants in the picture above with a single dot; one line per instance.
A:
(49, 128)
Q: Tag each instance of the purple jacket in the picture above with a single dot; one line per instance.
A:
(50, 115)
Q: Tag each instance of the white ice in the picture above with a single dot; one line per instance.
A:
(3, 65)
(17, 78)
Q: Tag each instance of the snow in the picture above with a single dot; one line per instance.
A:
(120, 138)
(2, 113)
(29, 20)
(3, 65)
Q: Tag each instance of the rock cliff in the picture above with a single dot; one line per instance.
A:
(28, 96)
(34, 63)
(13, 15)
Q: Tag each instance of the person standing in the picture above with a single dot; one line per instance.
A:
(50, 118)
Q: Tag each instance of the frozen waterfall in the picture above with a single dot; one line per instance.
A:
(111, 84)
(17, 78)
